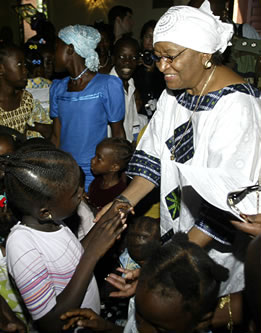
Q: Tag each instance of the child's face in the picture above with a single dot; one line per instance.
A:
(103, 161)
(138, 236)
(60, 56)
(148, 39)
(104, 45)
(48, 59)
(160, 313)
(125, 61)
(68, 200)
(15, 72)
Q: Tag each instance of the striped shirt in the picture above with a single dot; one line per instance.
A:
(42, 264)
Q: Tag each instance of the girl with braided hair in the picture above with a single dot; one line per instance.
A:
(52, 270)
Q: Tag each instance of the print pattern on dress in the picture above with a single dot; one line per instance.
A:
(173, 203)
(147, 166)
(208, 102)
(184, 150)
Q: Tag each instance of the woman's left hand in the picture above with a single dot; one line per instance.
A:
(252, 224)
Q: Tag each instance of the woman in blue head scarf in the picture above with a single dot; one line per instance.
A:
(85, 102)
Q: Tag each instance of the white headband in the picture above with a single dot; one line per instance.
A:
(196, 29)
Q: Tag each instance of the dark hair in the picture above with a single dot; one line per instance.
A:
(146, 26)
(33, 60)
(126, 41)
(17, 136)
(116, 11)
(122, 150)
(36, 176)
(103, 27)
(6, 49)
(217, 58)
(35, 144)
(184, 267)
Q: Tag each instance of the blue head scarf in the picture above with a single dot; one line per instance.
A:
(84, 40)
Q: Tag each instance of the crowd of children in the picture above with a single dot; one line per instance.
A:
(71, 116)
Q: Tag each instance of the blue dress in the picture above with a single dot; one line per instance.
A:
(84, 115)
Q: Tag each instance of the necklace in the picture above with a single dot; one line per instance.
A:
(174, 148)
(80, 75)
(105, 64)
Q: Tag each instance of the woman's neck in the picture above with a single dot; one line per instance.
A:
(80, 83)
(36, 224)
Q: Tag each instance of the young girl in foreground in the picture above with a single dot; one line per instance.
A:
(50, 268)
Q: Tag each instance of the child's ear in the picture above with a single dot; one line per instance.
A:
(45, 214)
(115, 167)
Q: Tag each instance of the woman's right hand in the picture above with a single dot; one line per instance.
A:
(115, 206)
(109, 228)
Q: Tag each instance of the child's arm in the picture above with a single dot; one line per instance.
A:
(8, 320)
(55, 138)
(103, 236)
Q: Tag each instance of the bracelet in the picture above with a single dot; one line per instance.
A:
(122, 198)
(223, 301)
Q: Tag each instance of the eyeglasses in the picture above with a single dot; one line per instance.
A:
(167, 59)
(252, 192)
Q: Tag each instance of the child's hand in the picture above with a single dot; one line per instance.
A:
(127, 284)
(103, 235)
(85, 318)
(8, 320)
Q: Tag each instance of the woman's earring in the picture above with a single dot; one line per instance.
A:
(208, 64)
(50, 217)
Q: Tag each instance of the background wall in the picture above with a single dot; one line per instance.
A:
(65, 12)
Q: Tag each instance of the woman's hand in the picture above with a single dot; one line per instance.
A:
(112, 208)
(126, 285)
(8, 320)
(85, 318)
(252, 224)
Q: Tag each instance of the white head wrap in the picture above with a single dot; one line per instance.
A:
(196, 29)
(84, 40)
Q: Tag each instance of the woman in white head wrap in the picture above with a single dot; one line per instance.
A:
(85, 102)
(203, 141)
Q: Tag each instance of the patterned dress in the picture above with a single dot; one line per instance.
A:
(18, 118)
